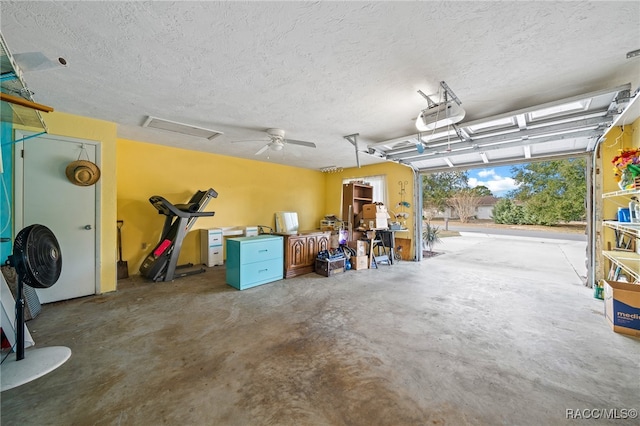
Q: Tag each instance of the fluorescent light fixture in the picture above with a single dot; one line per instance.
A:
(484, 157)
(448, 161)
(440, 115)
(185, 129)
(331, 169)
(527, 151)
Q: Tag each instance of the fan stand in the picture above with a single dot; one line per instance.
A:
(19, 369)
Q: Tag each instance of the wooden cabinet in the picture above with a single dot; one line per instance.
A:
(301, 250)
(253, 261)
(355, 195)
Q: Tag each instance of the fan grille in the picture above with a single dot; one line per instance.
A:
(37, 256)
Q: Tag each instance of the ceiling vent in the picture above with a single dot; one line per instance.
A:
(185, 129)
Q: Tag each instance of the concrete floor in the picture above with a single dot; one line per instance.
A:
(494, 331)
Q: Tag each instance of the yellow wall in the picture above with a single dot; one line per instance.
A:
(104, 132)
(249, 193)
(616, 140)
(394, 173)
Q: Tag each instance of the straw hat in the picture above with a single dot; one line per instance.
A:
(83, 173)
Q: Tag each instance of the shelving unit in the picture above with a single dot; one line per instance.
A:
(355, 195)
(626, 260)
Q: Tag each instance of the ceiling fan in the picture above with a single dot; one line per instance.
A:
(277, 141)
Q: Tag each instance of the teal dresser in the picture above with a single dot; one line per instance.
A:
(253, 261)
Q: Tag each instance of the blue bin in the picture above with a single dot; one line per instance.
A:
(624, 215)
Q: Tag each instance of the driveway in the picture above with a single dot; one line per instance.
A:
(543, 251)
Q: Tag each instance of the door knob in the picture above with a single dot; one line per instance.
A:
(87, 227)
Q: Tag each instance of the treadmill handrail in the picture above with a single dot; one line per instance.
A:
(166, 208)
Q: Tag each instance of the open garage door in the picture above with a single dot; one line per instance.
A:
(564, 128)
(561, 129)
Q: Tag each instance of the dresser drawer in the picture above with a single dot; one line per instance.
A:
(258, 273)
(215, 239)
(257, 251)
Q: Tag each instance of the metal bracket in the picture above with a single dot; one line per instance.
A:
(447, 90)
(353, 139)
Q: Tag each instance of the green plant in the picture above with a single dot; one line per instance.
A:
(430, 236)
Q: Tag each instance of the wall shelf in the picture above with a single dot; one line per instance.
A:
(630, 228)
(621, 193)
(17, 105)
(627, 260)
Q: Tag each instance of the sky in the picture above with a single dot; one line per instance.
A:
(497, 179)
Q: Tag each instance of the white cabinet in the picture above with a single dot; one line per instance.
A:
(211, 244)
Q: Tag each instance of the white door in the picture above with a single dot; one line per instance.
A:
(45, 196)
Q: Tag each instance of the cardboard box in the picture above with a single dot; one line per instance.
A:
(622, 307)
(376, 223)
(359, 262)
(372, 210)
(359, 246)
(329, 267)
(403, 248)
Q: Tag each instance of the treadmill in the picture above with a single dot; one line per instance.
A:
(161, 264)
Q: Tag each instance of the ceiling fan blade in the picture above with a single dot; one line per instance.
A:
(301, 143)
(263, 149)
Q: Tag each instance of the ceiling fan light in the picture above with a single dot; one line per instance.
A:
(277, 146)
(442, 115)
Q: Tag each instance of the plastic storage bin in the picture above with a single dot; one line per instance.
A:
(624, 215)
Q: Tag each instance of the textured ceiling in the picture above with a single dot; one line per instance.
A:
(319, 70)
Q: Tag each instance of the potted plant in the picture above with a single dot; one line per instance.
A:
(430, 236)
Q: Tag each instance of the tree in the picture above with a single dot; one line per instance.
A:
(437, 188)
(482, 191)
(508, 212)
(465, 202)
(552, 191)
